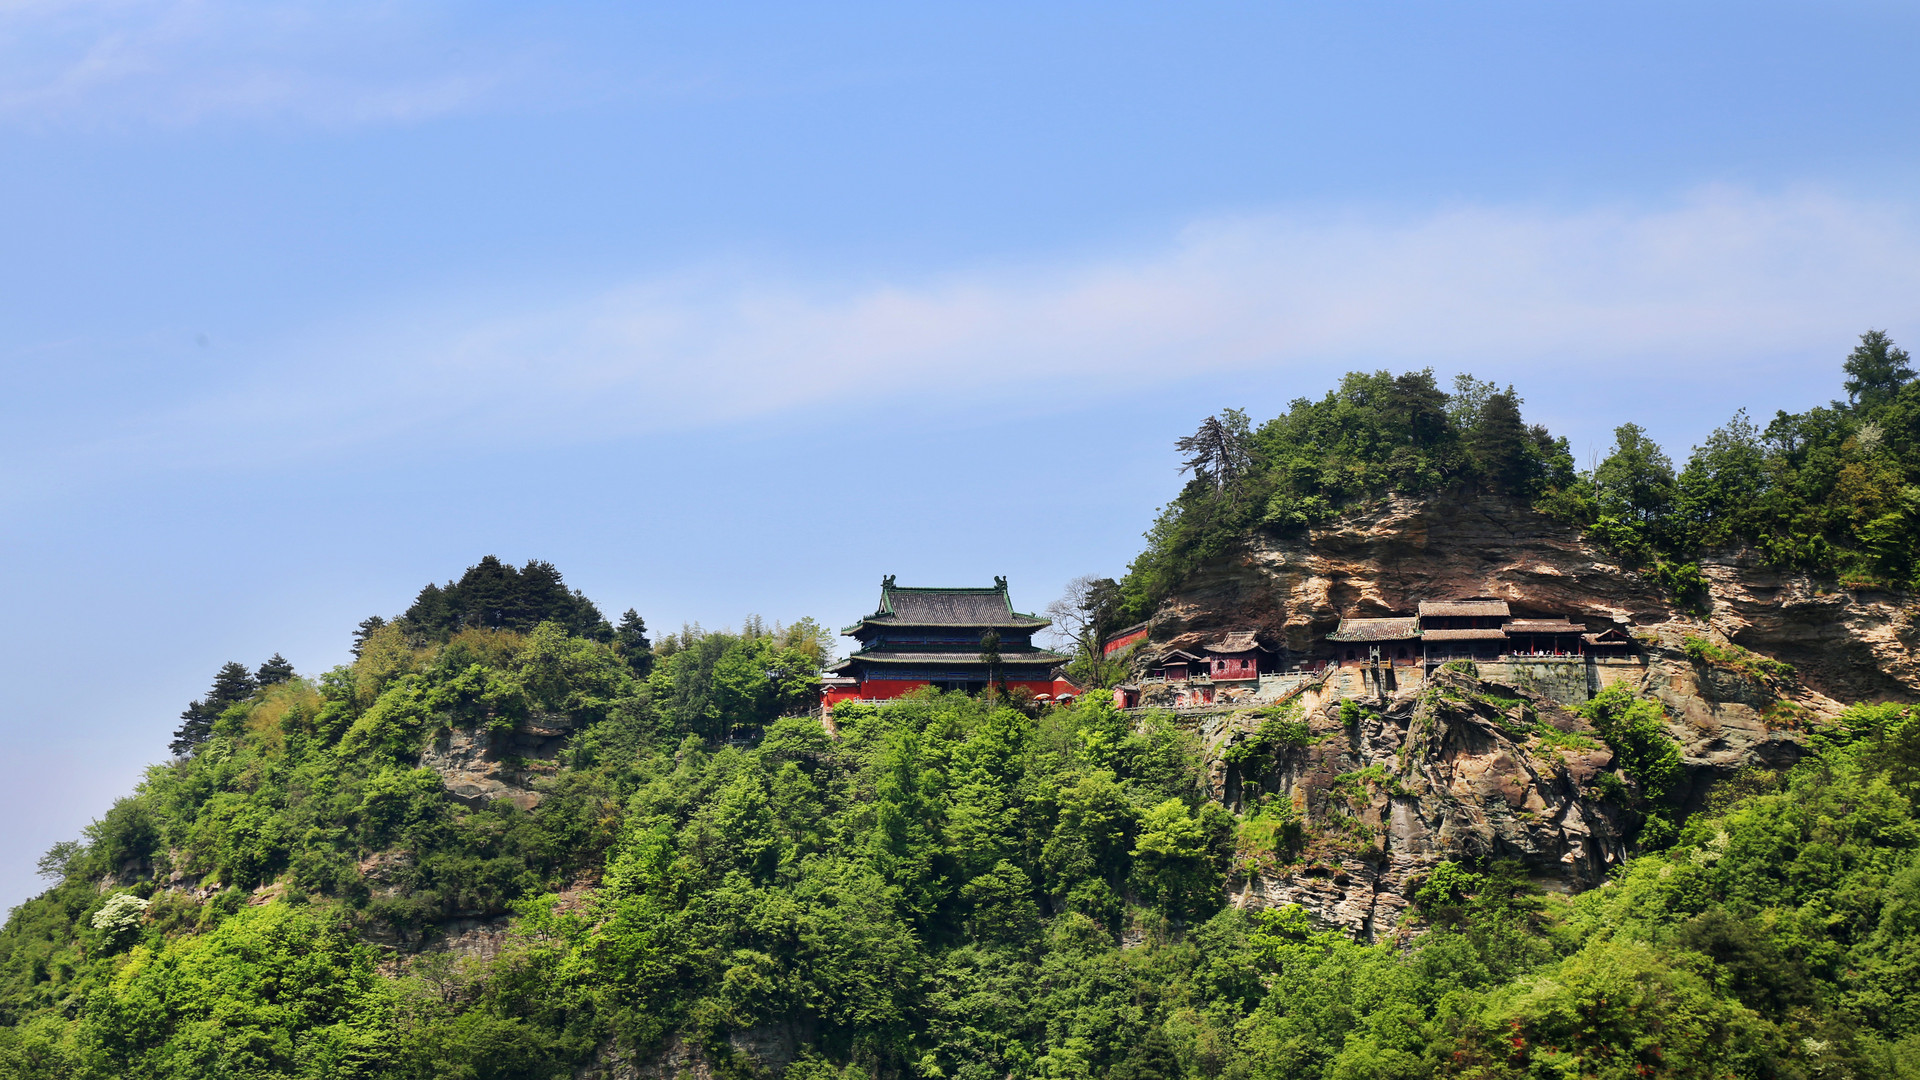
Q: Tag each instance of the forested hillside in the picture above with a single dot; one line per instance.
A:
(946, 888)
(695, 874)
(1834, 490)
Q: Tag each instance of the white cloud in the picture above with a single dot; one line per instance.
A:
(1603, 303)
(181, 61)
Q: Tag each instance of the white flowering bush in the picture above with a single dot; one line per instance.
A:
(120, 914)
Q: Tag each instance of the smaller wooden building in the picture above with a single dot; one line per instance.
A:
(1235, 657)
(1612, 643)
(1179, 665)
(1543, 637)
(1360, 641)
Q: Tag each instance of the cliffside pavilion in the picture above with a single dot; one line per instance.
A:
(936, 637)
(1359, 641)
(1475, 629)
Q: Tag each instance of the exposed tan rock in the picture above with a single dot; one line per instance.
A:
(1847, 646)
(1469, 781)
(478, 764)
(1436, 772)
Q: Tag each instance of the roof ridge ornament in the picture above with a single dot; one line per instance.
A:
(887, 582)
(1000, 583)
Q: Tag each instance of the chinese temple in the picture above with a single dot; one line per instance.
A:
(1476, 629)
(949, 639)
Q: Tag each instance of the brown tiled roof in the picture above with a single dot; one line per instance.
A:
(1375, 630)
(1240, 641)
(1542, 626)
(1176, 655)
(1612, 635)
(1463, 635)
(1456, 608)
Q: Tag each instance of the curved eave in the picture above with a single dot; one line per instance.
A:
(1006, 659)
(894, 623)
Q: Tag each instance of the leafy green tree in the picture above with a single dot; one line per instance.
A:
(1876, 370)
(1635, 728)
(1467, 402)
(1176, 868)
(1634, 490)
(1719, 494)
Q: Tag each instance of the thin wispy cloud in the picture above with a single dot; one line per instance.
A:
(1606, 299)
(175, 62)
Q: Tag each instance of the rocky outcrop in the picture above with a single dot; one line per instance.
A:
(766, 1050)
(1386, 788)
(1424, 775)
(1382, 560)
(479, 764)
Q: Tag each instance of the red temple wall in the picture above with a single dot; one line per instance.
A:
(888, 689)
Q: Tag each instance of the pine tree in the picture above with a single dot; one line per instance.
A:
(495, 595)
(990, 656)
(631, 644)
(231, 685)
(367, 626)
(195, 725)
(1418, 406)
(1221, 449)
(276, 670)
(1500, 443)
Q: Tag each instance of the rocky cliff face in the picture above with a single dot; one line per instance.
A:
(478, 765)
(1385, 788)
(1847, 646)
(1426, 771)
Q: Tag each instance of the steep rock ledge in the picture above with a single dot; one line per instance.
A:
(1455, 769)
(1468, 783)
(478, 764)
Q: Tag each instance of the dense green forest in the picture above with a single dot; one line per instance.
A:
(955, 887)
(1834, 490)
(946, 887)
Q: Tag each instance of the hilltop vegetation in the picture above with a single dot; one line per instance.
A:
(947, 888)
(1834, 490)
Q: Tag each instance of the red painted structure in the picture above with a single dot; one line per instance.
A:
(1123, 639)
(922, 637)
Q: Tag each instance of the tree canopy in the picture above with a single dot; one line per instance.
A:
(1834, 489)
(493, 595)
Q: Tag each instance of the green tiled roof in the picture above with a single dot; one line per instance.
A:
(985, 608)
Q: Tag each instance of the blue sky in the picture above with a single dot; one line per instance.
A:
(735, 308)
